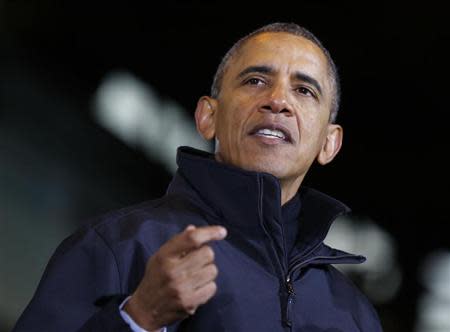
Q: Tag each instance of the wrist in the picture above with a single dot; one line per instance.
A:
(141, 317)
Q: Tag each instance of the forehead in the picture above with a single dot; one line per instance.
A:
(283, 51)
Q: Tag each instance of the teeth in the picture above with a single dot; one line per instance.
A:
(272, 133)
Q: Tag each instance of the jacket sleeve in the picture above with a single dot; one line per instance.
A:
(80, 289)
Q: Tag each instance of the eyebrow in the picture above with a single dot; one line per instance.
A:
(308, 79)
(256, 69)
(269, 70)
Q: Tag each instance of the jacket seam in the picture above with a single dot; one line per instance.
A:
(107, 245)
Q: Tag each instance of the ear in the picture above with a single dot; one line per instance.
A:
(332, 144)
(205, 117)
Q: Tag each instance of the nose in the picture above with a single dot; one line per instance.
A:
(277, 101)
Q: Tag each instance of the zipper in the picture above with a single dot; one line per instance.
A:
(282, 269)
(290, 302)
(290, 286)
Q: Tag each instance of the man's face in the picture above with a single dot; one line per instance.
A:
(273, 110)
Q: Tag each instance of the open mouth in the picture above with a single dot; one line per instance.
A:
(273, 131)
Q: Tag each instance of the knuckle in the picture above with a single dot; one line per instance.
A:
(213, 288)
(210, 290)
(189, 307)
(209, 253)
(192, 238)
(185, 303)
(214, 271)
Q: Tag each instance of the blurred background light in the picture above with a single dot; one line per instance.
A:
(132, 110)
(434, 306)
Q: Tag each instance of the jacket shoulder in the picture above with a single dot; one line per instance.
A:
(356, 301)
(150, 223)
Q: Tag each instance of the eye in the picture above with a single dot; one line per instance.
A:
(254, 81)
(306, 91)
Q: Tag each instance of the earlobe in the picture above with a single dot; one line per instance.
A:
(332, 144)
(205, 117)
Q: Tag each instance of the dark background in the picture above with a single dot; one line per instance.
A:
(58, 167)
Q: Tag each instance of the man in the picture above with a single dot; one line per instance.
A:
(236, 243)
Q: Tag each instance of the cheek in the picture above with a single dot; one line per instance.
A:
(235, 114)
(313, 133)
(309, 126)
(227, 128)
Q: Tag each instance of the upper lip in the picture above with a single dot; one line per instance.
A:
(273, 126)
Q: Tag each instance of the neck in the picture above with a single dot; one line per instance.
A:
(289, 188)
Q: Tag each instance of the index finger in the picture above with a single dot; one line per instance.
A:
(194, 237)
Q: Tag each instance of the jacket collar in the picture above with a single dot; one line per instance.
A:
(248, 201)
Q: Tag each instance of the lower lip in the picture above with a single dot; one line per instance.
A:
(269, 140)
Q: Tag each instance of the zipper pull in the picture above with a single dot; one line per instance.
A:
(290, 301)
(290, 288)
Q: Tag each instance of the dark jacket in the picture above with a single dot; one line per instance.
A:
(260, 286)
